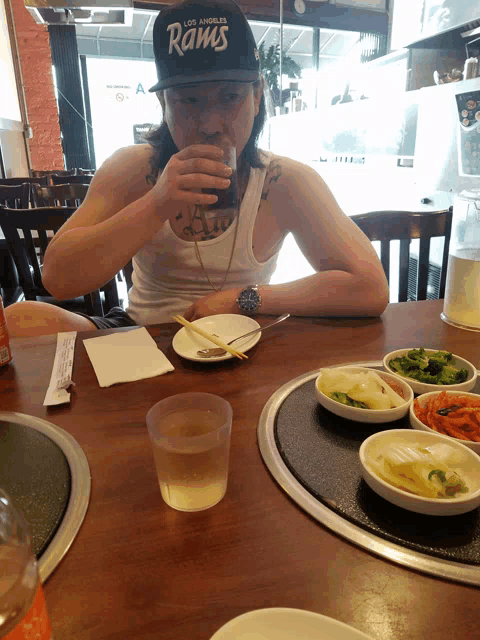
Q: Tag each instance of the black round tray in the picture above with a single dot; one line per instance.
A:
(313, 454)
(46, 473)
(321, 451)
(36, 475)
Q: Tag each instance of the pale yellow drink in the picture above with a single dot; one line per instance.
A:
(191, 450)
(462, 290)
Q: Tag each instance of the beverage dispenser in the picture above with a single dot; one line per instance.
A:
(462, 291)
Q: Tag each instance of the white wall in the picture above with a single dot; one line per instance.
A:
(12, 141)
(9, 105)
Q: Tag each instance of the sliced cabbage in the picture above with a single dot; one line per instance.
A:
(363, 386)
(410, 467)
(371, 394)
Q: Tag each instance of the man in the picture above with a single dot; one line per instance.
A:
(150, 202)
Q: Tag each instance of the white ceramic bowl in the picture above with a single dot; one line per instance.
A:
(423, 387)
(469, 466)
(418, 424)
(367, 415)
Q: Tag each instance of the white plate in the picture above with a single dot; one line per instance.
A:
(286, 624)
(226, 326)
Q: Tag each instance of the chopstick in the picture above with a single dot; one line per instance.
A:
(204, 334)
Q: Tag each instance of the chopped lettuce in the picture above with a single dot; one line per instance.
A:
(437, 368)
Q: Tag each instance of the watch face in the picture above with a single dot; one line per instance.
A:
(249, 300)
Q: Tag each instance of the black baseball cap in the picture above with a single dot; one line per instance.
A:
(198, 41)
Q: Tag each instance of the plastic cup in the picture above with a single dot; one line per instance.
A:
(190, 435)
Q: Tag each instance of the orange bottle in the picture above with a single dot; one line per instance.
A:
(23, 614)
(5, 353)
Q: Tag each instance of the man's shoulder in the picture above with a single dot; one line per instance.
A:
(137, 156)
(286, 171)
(126, 169)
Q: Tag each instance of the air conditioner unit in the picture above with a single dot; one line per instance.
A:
(94, 12)
(433, 281)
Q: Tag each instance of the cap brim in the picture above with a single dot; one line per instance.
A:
(232, 75)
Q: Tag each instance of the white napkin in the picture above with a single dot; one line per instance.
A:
(126, 356)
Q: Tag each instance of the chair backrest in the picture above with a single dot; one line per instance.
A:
(81, 179)
(15, 196)
(128, 273)
(37, 227)
(61, 195)
(405, 226)
(12, 181)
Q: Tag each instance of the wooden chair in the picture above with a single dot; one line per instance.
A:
(405, 226)
(61, 195)
(82, 179)
(38, 225)
(15, 181)
(127, 272)
(47, 173)
(15, 196)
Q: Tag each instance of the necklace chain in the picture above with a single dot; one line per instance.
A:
(199, 257)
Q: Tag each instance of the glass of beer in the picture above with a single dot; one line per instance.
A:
(190, 435)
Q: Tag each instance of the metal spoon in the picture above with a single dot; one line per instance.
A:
(218, 351)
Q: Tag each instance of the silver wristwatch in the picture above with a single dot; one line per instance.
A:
(249, 300)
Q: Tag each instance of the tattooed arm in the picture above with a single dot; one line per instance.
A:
(349, 279)
(122, 212)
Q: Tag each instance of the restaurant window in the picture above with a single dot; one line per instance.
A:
(120, 68)
(122, 109)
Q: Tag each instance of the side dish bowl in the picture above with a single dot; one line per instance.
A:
(423, 387)
(468, 465)
(424, 399)
(374, 416)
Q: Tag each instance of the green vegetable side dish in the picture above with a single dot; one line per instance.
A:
(436, 368)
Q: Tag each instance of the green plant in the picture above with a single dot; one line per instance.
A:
(270, 65)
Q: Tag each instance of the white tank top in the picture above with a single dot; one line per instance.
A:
(167, 277)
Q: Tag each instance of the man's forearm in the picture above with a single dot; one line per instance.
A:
(327, 293)
(85, 258)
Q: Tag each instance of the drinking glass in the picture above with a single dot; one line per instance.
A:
(190, 435)
(226, 206)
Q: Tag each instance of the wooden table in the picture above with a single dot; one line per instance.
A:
(141, 570)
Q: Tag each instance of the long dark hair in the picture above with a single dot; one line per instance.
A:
(164, 147)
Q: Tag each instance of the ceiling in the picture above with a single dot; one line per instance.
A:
(135, 41)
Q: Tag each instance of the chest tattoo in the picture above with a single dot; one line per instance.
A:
(205, 229)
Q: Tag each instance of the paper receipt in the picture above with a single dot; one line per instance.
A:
(61, 378)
